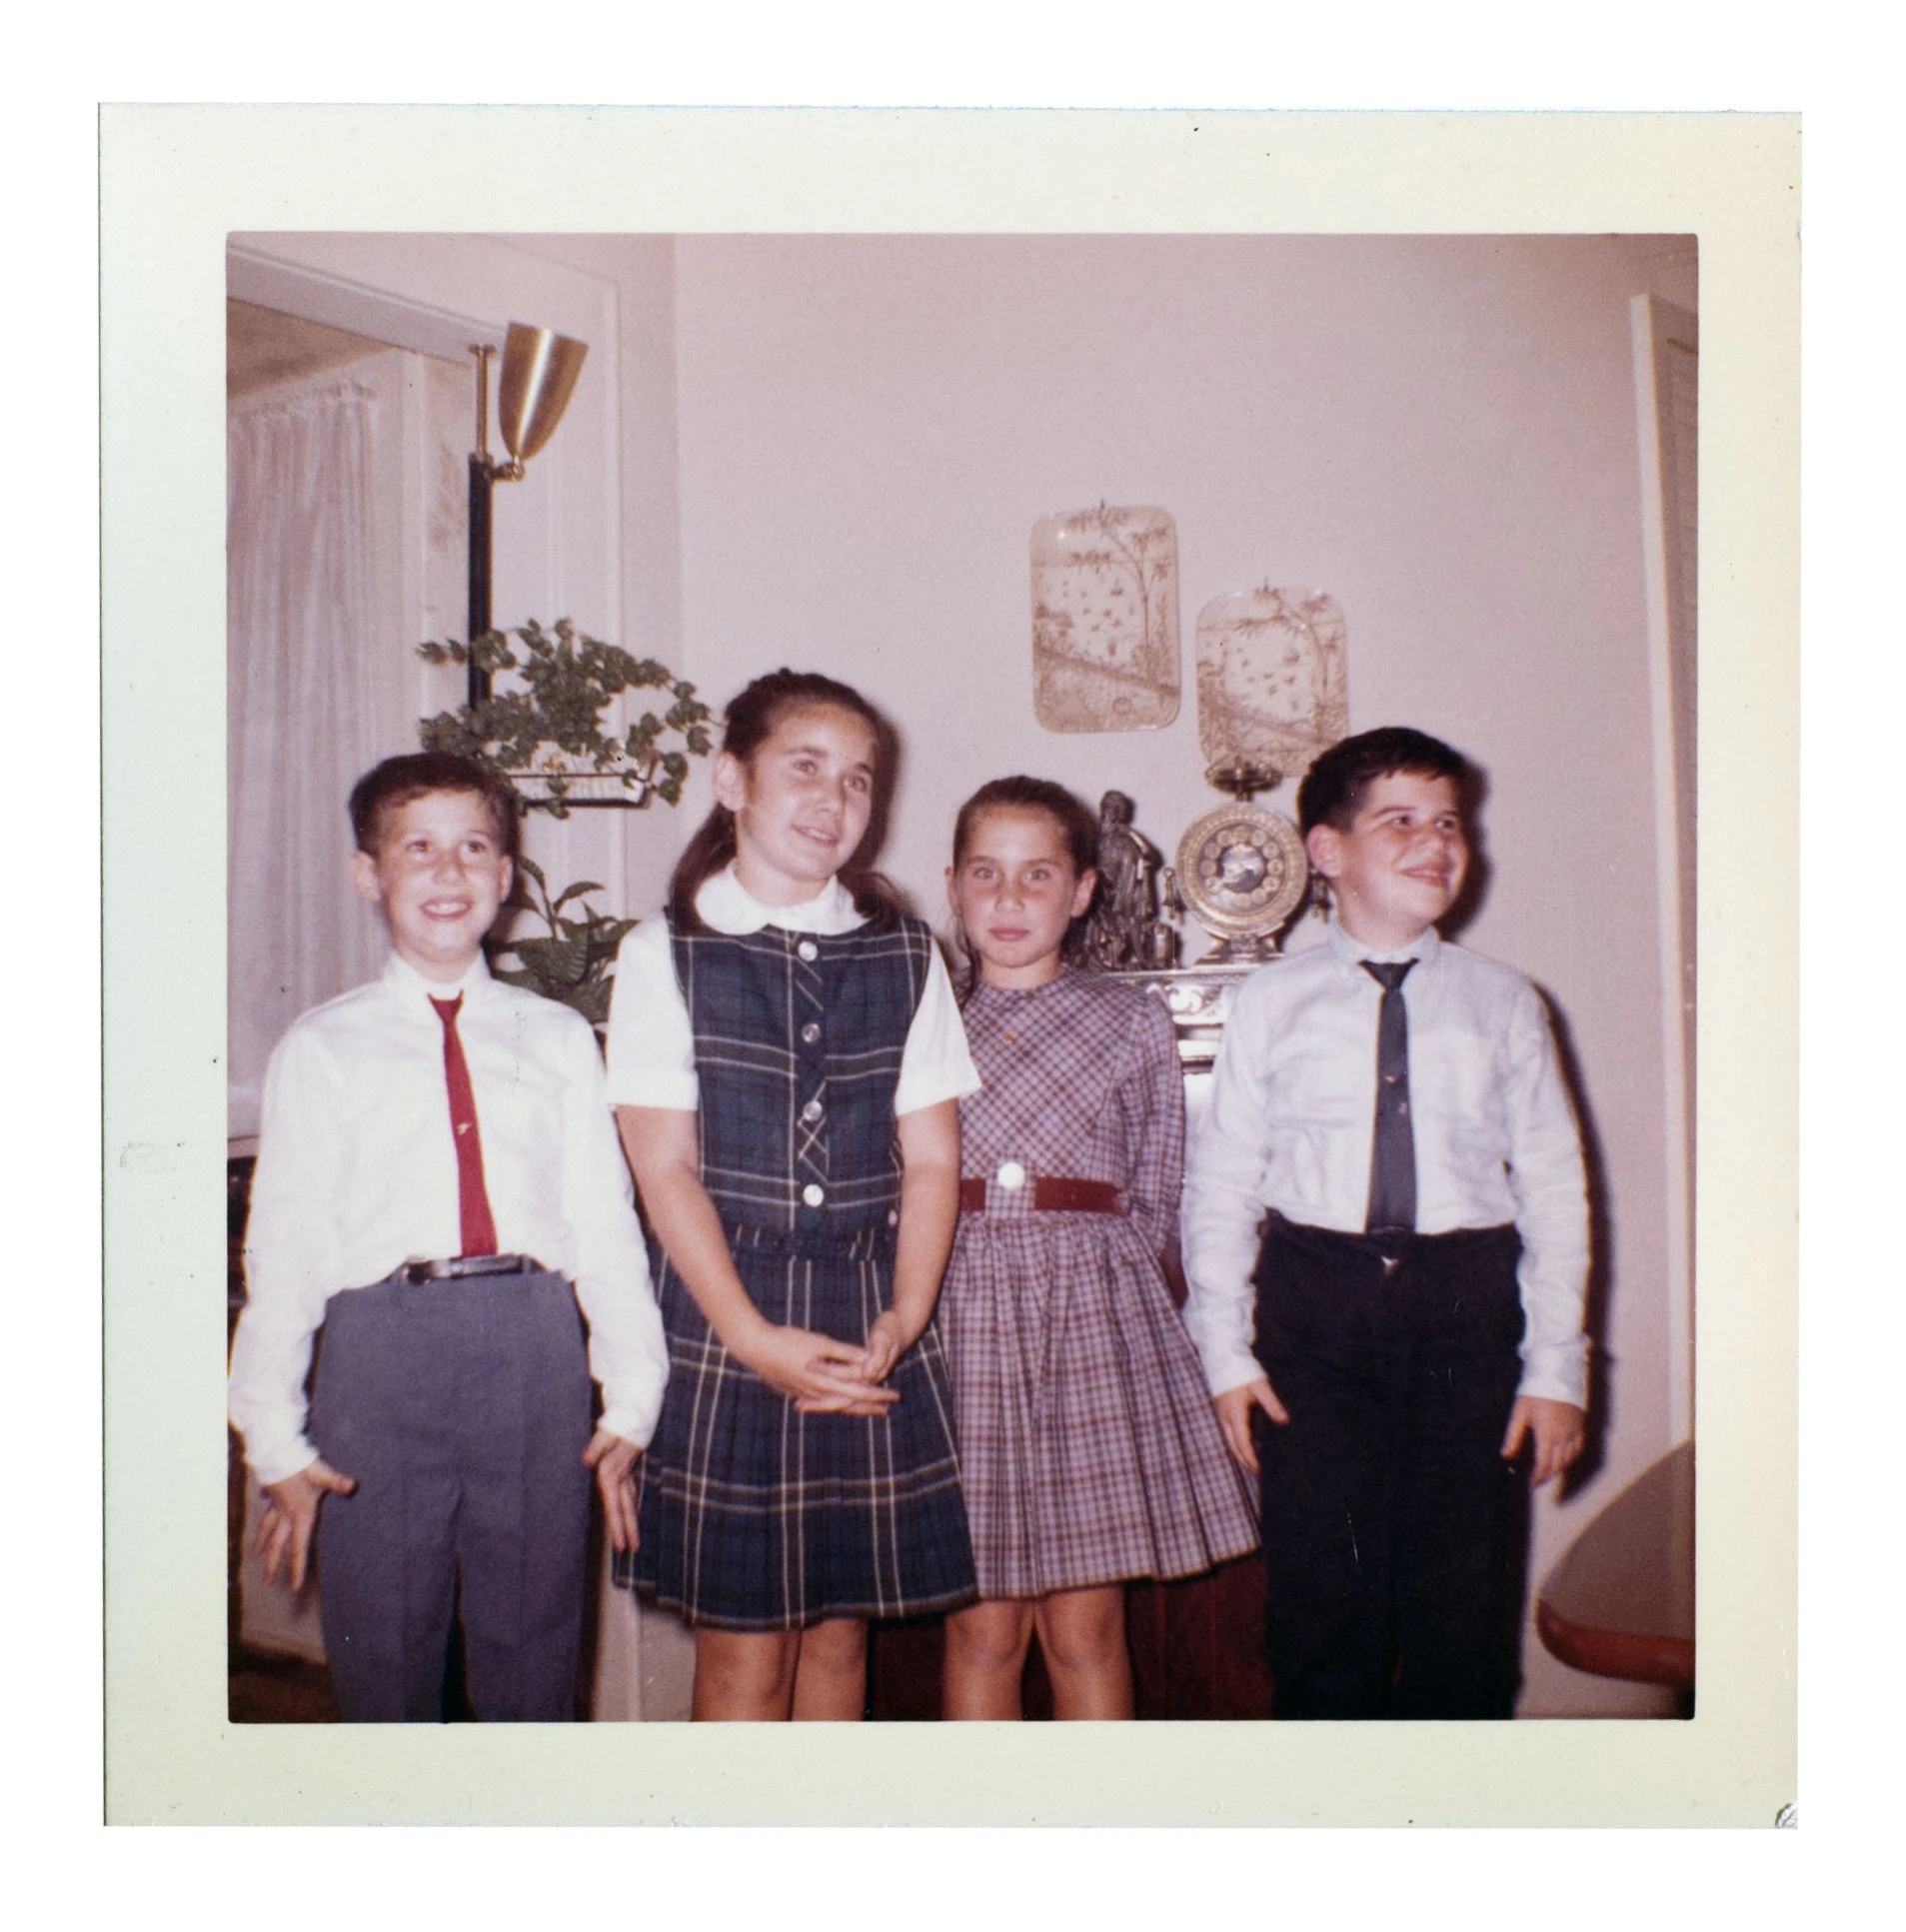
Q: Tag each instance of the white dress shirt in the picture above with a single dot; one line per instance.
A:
(356, 1174)
(1291, 1128)
(650, 1040)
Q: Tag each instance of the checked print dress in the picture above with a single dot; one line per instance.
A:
(754, 1516)
(1089, 1450)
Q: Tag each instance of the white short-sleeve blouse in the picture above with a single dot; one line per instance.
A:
(652, 1044)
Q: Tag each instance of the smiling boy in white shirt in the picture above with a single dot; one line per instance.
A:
(437, 1166)
(1411, 1319)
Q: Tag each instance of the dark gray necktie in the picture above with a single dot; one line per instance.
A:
(1394, 1150)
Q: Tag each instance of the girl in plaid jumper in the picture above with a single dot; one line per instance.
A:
(1089, 1452)
(787, 1057)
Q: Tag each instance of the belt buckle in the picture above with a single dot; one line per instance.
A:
(461, 1267)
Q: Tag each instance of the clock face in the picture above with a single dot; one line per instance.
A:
(1242, 870)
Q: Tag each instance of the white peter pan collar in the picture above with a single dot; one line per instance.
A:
(727, 906)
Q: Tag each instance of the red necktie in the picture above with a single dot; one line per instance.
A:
(479, 1230)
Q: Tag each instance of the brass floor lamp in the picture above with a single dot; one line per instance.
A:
(540, 369)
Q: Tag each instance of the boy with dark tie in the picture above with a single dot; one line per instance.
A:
(1412, 1318)
(438, 1185)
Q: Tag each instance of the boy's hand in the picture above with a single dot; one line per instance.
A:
(1555, 1429)
(613, 1457)
(291, 1517)
(1233, 1416)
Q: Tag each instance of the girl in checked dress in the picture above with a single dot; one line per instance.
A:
(786, 1056)
(1090, 1451)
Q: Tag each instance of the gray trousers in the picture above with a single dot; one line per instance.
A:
(462, 1407)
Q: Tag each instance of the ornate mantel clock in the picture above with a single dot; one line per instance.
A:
(1242, 870)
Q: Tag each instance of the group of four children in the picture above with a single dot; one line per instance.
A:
(910, 1348)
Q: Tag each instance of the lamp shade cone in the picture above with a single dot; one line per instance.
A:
(540, 369)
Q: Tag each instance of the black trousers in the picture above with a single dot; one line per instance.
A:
(1394, 1533)
(462, 1407)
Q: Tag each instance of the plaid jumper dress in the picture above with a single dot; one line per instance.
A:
(753, 1515)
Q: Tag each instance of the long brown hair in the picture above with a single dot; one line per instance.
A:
(749, 721)
(1077, 831)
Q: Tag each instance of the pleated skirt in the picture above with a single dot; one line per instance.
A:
(757, 1517)
(1090, 1451)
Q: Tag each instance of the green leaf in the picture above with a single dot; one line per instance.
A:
(561, 682)
(554, 962)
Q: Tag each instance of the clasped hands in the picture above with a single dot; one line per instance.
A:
(822, 1377)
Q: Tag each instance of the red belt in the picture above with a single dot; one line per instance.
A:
(1050, 1193)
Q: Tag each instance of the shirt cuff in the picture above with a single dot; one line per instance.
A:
(1227, 1370)
(909, 1097)
(633, 1422)
(279, 1463)
(678, 1093)
(1556, 1377)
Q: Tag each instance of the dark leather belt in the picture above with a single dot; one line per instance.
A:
(1048, 1193)
(463, 1266)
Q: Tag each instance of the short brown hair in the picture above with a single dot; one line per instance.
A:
(1339, 780)
(387, 788)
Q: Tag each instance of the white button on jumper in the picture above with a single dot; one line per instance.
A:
(811, 1031)
(1012, 1177)
(814, 1194)
(811, 1111)
(808, 949)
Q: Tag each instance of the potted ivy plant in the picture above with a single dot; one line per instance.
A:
(548, 737)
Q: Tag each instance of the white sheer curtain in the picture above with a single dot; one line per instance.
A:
(302, 717)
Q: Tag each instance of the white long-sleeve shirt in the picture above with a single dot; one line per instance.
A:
(356, 1174)
(1290, 1128)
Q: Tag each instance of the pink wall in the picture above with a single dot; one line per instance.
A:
(1438, 431)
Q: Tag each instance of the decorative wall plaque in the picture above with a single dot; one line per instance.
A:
(1106, 619)
(1272, 689)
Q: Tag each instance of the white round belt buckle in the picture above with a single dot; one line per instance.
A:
(1012, 1177)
